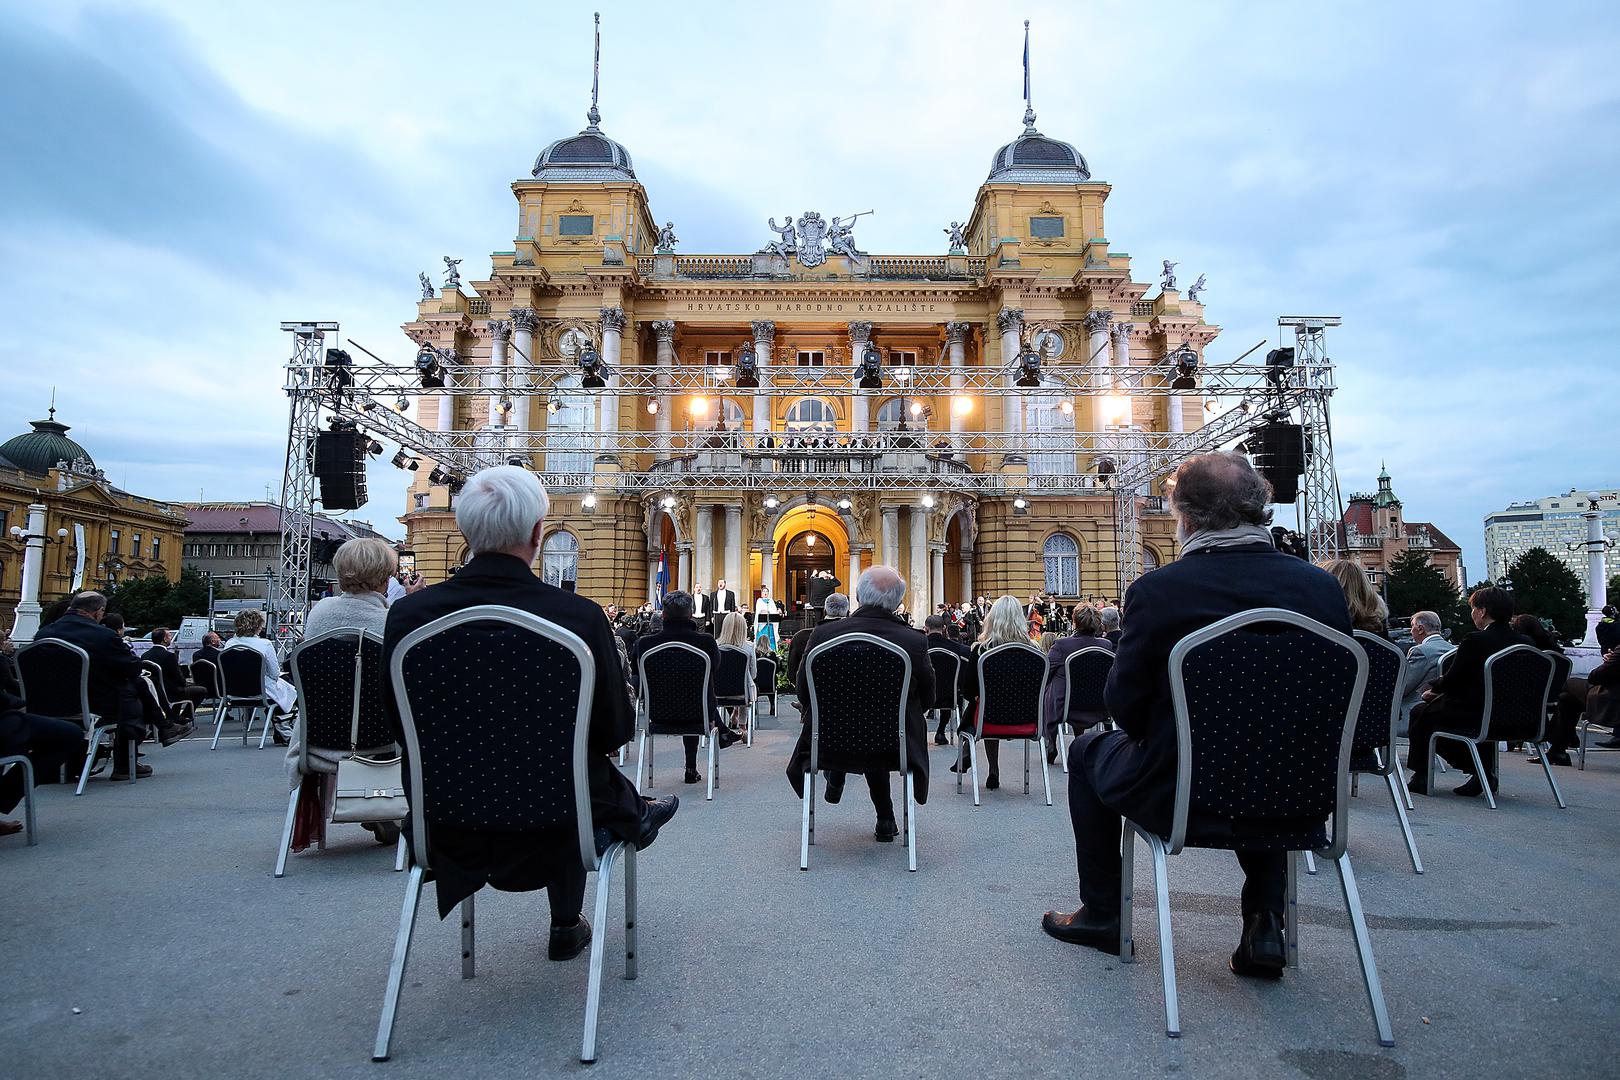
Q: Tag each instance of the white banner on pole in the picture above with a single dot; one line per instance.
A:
(78, 559)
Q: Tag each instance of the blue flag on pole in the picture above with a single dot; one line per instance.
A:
(1026, 61)
(663, 575)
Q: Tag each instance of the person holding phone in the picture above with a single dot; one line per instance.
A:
(405, 580)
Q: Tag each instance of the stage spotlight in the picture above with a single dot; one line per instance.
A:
(667, 502)
(871, 369)
(402, 460)
(902, 374)
(552, 407)
(374, 448)
(772, 502)
(438, 475)
(844, 504)
(1186, 362)
(1116, 410)
(699, 407)
(928, 502)
(1066, 407)
(428, 369)
(368, 404)
(402, 403)
(593, 370)
(652, 408)
(1020, 507)
(747, 369)
(961, 405)
(1277, 362)
(916, 409)
(588, 502)
(505, 405)
(1029, 368)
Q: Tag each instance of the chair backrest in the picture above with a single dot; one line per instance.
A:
(947, 678)
(765, 673)
(1563, 667)
(55, 679)
(1085, 675)
(1446, 659)
(1380, 714)
(242, 671)
(500, 744)
(207, 676)
(1265, 704)
(338, 676)
(1012, 681)
(674, 680)
(150, 669)
(731, 678)
(1517, 680)
(858, 683)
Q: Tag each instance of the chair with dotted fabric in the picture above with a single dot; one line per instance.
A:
(1265, 704)
(674, 700)
(495, 707)
(1517, 682)
(55, 680)
(1372, 748)
(1085, 674)
(947, 686)
(731, 687)
(242, 673)
(764, 686)
(206, 675)
(1012, 682)
(858, 684)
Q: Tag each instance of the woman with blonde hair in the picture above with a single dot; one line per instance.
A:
(1005, 623)
(250, 626)
(1367, 609)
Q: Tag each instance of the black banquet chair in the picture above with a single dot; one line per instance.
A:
(1012, 681)
(731, 687)
(206, 675)
(764, 686)
(55, 678)
(18, 761)
(1085, 675)
(153, 674)
(947, 686)
(338, 676)
(543, 675)
(1373, 750)
(674, 697)
(1260, 695)
(242, 675)
(1517, 682)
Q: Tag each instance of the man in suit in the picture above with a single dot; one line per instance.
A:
(1422, 662)
(702, 609)
(114, 691)
(208, 650)
(934, 628)
(724, 600)
(837, 607)
(48, 743)
(1228, 565)
(678, 625)
(168, 661)
(501, 514)
(1454, 700)
(1110, 625)
(879, 592)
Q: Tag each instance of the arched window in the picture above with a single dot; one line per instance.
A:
(1150, 561)
(1051, 433)
(890, 412)
(567, 446)
(735, 420)
(1062, 565)
(812, 414)
(559, 559)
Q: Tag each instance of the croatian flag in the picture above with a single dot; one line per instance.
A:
(663, 575)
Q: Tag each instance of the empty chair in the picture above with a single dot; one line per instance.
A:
(1085, 675)
(859, 686)
(1517, 682)
(764, 685)
(947, 703)
(1265, 707)
(547, 674)
(55, 678)
(674, 700)
(731, 688)
(1012, 681)
(242, 675)
(1373, 750)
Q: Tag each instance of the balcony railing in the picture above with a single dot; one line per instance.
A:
(875, 267)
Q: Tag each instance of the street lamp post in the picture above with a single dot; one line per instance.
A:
(1596, 546)
(26, 624)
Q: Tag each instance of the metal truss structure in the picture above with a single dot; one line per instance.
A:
(634, 463)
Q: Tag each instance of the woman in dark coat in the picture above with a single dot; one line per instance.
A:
(1088, 634)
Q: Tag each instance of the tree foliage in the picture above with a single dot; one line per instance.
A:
(150, 602)
(1543, 586)
(1415, 584)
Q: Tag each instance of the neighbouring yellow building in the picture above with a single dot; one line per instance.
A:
(949, 463)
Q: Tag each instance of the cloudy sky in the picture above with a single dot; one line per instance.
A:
(177, 178)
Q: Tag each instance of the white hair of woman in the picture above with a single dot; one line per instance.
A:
(500, 508)
(1006, 622)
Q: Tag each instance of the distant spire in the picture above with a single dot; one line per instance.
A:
(52, 413)
(1029, 109)
(595, 115)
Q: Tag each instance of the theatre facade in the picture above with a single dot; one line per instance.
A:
(810, 405)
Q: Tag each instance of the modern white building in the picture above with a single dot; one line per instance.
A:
(1554, 523)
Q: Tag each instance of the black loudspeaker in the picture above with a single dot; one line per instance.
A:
(1278, 453)
(340, 466)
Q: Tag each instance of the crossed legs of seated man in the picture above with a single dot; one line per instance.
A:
(48, 743)
(1429, 717)
(882, 800)
(1096, 800)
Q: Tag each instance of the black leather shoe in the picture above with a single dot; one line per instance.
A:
(1558, 757)
(693, 777)
(993, 782)
(832, 790)
(655, 816)
(887, 830)
(1084, 927)
(726, 736)
(941, 739)
(1474, 788)
(568, 942)
(174, 733)
(1051, 755)
(1261, 953)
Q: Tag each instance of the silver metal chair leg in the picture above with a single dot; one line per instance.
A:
(219, 724)
(641, 754)
(269, 715)
(1369, 968)
(593, 990)
(1026, 766)
(400, 852)
(134, 760)
(1479, 772)
(1442, 767)
(622, 750)
(714, 747)
(1400, 814)
(1046, 776)
(247, 724)
(911, 823)
(1580, 735)
(1291, 912)
(961, 745)
(1310, 864)
(630, 911)
(29, 826)
(1546, 767)
(1406, 791)
(1064, 737)
(89, 759)
(396, 969)
(804, 824)
(468, 914)
(1127, 877)
(1167, 953)
(286, 834)
(973, 758)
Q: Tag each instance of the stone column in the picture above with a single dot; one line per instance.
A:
(764, 345)
(612, 330)
(1010, 322)
(1098, 358)
(967, 576)
(26, 624)
(860, 335)
(956, 352)
(500, 332)
(936, 579)
(524, 324)
(890, 553)
(917, 577)
(702, 547)
(683, 565)
(664, 333)
(734, 551)
(1174, 405)
(446, 402)
(1124, 377)
(854, 573)
(767, 568)
(652, 577)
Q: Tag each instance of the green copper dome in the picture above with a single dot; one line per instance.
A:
(39, 450)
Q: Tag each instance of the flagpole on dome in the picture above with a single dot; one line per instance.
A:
(1029, 108)
(595, 114)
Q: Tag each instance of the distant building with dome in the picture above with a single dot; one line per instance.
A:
(112, 535)
(763, 488)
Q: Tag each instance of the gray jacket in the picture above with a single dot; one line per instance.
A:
(1422, 668)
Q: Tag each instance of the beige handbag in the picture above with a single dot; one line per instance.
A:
(368, 789)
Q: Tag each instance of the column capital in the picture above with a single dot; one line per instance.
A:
(664, 330)
(889, 511)
(733, 509)
(860, 332)
(500, 330)
(525, 319)
(957, 332)
(764, 330)
(1010, 319)
(1122, 330)
(1097, 320)
(612, 319)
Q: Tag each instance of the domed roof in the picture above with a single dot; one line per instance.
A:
(39, 450)
(590, 155)
(1033, 158)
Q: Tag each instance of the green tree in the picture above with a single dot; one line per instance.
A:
(150, 602)
(1546, 588)
(1614, 589)
(1414, 584)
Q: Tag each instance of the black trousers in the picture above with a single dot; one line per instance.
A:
(877, 783)
(566, 895)
(1561, 732)
(1097, 828)
(48, 743)
(1429, 717)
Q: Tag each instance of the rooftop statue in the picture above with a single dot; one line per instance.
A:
(1168, 279)
(1197, 287)
(427, 286)
(666, 239)
(957, 241)
(786, 243)
(452, 276)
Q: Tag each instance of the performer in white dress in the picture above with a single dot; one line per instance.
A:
(765, 606)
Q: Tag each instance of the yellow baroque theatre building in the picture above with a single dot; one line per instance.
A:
(812, 406)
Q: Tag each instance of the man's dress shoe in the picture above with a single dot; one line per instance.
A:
(1261, 953)
(568, 942)
(1084, 927)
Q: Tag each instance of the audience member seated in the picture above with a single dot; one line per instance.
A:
(935, 627)
(1088, 634)
(835, 606)
(734, 632)
(1608, 629)
(1228, 565)
(48, 744)
(208, 650)
(1422, 663)
(1110, 623)
(878, 592)
(1598, 696)
(681, 625)
(250, 626)
(1367, 609)
(364, 569)
(1006, 622)
(501, 514)
(174, 680)
(1454, 700)
(115, 692)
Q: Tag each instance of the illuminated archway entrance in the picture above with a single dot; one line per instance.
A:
(807, 537)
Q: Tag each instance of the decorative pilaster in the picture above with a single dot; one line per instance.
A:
(664, 337)
(764, 346)
(1010, 321)
(860, 335)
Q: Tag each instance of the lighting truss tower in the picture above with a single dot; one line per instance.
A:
(1324, 509)
(289, 587)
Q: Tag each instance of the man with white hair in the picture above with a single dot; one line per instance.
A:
(501, 513)
(1422, 662)
(835, 606)
(1110, 624)
(878, 592)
